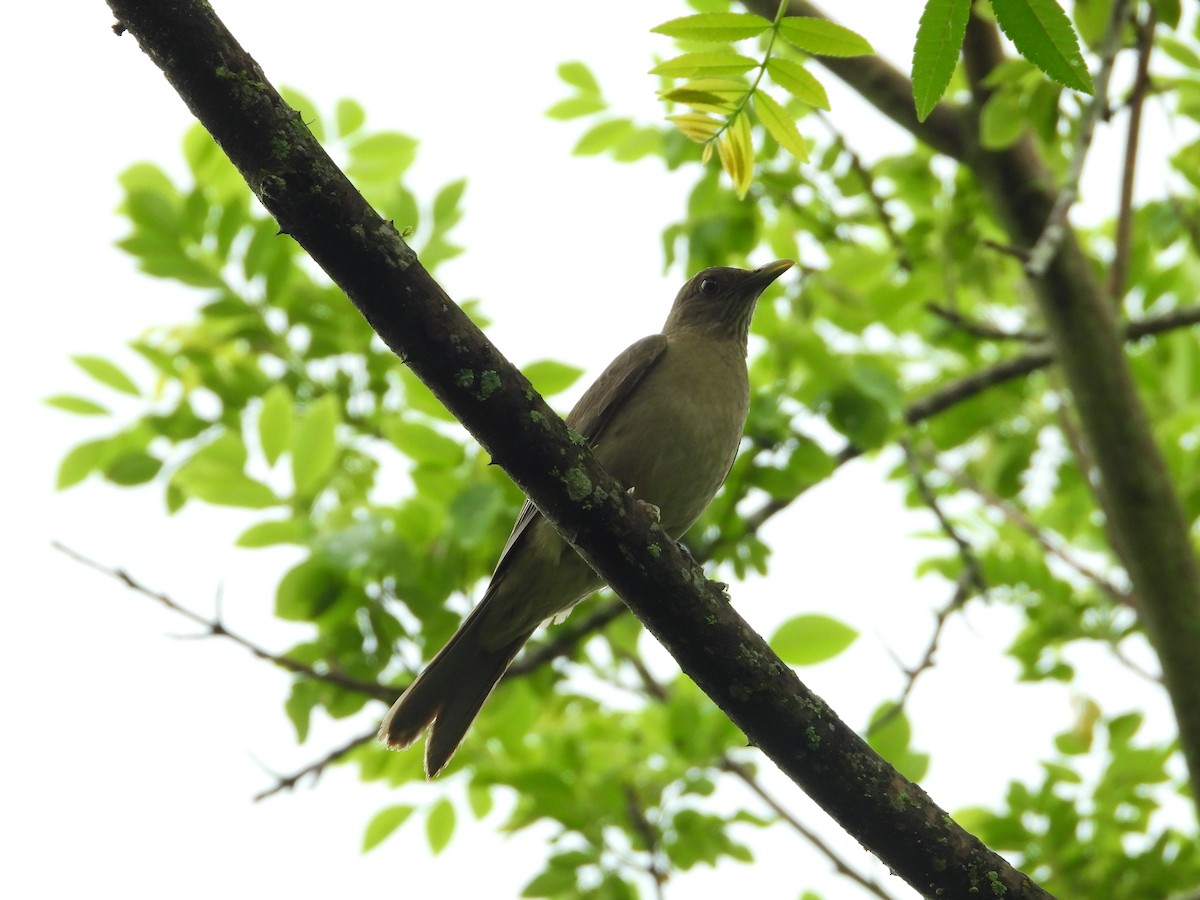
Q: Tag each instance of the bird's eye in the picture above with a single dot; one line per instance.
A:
(709, 286)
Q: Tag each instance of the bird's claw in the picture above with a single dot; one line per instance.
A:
(654, 512)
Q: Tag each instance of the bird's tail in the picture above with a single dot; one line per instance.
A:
(448, 695)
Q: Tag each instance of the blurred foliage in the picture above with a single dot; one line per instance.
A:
(275, 396)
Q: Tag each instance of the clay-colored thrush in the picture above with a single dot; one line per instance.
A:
(665, 418)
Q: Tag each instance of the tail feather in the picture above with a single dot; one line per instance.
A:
(447, 695)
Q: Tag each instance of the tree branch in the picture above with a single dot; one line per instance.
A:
(1146, 522)
(1056, 223)
(1137, 100)
(214, 627)
(886, 88)
(313, 202)
(315, 769)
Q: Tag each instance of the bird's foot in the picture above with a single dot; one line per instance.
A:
(654, 511)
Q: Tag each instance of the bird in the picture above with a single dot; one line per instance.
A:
(665, 418)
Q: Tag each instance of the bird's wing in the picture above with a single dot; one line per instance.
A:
(600, 402)
(596, 409)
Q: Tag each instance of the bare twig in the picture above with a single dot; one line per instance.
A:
(867, 179)
(1053, 544)
(314, 769)
(216, 628)
(983, 330)
(972, 385)
(963, 590)
(1119, 271)
(743, 774)
(649, 835)
(1054, 230)
(654, 689)
(970, 582)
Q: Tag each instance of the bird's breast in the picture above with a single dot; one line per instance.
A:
(676, 436)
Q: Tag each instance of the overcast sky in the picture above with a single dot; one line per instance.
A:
(130, 757)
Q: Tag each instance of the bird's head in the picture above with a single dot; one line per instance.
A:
(720, 301)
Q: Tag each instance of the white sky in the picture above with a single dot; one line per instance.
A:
(130, 758)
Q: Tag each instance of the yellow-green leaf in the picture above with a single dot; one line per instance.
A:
(793, 77)
(439, 826)
(808, 639)
(106, 373)
(714, 26)
(822, 37)
(314, 448)
(701, 65)
(383, 823)
(275, 422)
(780, 124)
(696, 126)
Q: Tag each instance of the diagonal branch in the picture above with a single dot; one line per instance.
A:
(313, 202)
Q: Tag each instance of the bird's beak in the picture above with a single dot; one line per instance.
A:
(764, 275)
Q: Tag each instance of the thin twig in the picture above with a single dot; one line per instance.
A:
(216, 628)
(654, 689)
(983, 329)
(964, 389)
(963, 591)
(1052, 543)
(643, 827)
(868, 182)
(743, 774)
(966, 552)
(970, 582)
(1119, 271)
(315, 769)
(1047, 244)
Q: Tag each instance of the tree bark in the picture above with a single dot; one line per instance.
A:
(314, 203)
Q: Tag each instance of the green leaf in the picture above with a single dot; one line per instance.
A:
(550, 377)
(106, 373)
(1043, 34)
(939, 40)
(304, 105)
(215, 475)
(717, 27)
(781, 125)
(307, 590)
(423, 444)
(1002, 121)
(382, 157)
(314, 448)
(383, 823)
(80, 462)
(793, 77)
(275, 422)
(580, 76)
(268, 534)
(479, 797)
(602, 136)
(822, 37)
(439, 825)
(133, 468)
(350, 117)
(574, 107)
(811, 638)
(446, 212)
(705, 65)
(80, 406)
